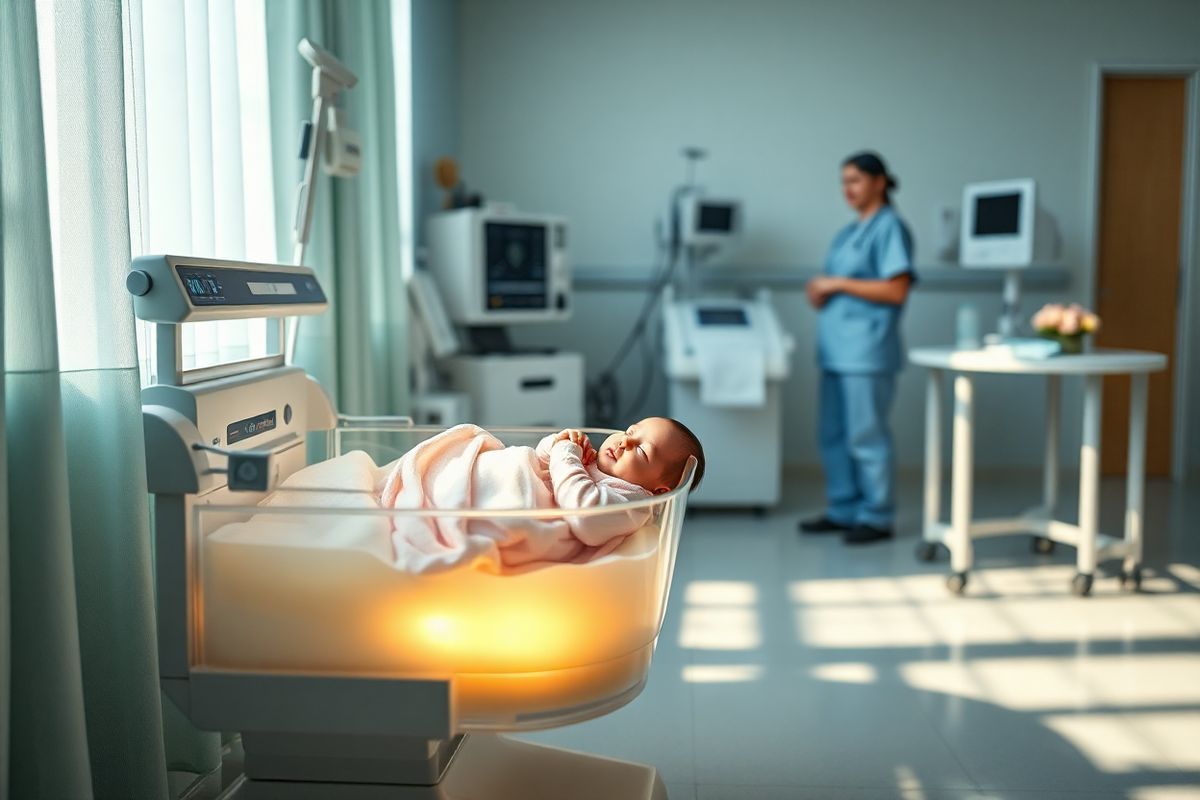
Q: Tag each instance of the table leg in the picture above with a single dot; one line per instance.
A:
(961, 556)
(1089, 475)
(1053, 412)
(1135, 477)
(933, 454)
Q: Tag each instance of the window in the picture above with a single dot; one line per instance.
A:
(201, 127)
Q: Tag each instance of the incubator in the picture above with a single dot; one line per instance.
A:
(282, 615)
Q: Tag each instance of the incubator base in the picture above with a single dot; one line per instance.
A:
(486, 767)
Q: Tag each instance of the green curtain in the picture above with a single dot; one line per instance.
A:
(359, 349)
(79, 680)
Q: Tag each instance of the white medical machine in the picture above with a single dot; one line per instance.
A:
(282, 616)
(494, 267)
(1000, 230)
(726, 360)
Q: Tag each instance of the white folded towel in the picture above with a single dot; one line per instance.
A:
(731, 376)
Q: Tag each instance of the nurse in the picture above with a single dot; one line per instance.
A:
(860, 299)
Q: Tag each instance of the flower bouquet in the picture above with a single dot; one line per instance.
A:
(1067, 325)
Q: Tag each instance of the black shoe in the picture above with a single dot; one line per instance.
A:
(823, 524)
(865, 534)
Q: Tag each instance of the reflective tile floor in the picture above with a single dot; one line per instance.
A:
(794, 667)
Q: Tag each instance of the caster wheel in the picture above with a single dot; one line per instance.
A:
(1041, 545)
(1131, 580)
(956, 582)
(1081, 584)
(927, 551)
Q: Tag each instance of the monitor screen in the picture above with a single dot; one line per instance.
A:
(517, 269)
(998, 214)
(717, 315)
(715, 217)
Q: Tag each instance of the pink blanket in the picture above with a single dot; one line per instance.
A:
(466, 467)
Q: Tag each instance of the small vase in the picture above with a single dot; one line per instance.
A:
(1071, 344)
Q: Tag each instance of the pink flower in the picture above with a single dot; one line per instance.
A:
(1048, 317)
(1071, 321)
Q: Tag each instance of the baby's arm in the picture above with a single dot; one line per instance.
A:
(571, 435)
(544, 446)
(575, 488)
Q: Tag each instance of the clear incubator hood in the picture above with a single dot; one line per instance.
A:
(310, 588)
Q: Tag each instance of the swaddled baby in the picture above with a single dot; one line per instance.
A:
(468, 468)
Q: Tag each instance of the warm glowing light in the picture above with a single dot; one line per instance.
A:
(848, 672)
(722, 673)
(440, 629)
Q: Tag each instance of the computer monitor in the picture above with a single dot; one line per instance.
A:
(707, 220)
(998, 224)
(499, 267)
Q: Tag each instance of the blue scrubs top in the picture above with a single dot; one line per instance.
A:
(856, 335)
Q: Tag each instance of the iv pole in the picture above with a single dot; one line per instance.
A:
(329, 77)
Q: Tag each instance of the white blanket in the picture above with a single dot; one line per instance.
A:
(466, 467)
(459, 469)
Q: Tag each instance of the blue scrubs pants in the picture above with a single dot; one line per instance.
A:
(856, 447)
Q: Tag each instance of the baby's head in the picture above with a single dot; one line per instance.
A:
(652, 454)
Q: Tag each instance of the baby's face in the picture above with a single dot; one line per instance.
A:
(645, 454)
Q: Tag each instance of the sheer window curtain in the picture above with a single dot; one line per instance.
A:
(80, 697)
(359, 349)
(130, 126)
(199, 79)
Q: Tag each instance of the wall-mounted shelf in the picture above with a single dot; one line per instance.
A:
(937, 278)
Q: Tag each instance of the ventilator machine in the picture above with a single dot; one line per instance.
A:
(726, 357)
(281, 617)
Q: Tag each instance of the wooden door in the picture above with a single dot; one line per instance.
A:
(1141, 196)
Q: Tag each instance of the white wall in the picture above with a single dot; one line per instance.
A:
(435, 80)
(582, 107)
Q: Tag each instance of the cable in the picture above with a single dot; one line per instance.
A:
(603, 393)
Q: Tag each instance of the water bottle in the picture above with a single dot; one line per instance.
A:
(967, 328)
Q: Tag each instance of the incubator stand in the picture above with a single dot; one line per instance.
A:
(282, 616)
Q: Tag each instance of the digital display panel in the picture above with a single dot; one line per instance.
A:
(517, 268)
(260, 288)
(251, 426)
(713, 316)
(217, 286)
(202, 286)
(998, 214)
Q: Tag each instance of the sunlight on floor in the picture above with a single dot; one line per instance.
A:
(720, 615)
(722, 673)
(849, 672)
(1112, 742)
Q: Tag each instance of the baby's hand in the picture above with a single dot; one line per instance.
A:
(580, 438)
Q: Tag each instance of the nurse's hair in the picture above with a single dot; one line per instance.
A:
(871, 163)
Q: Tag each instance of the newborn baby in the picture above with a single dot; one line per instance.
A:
(647, 459)
(468, 468)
